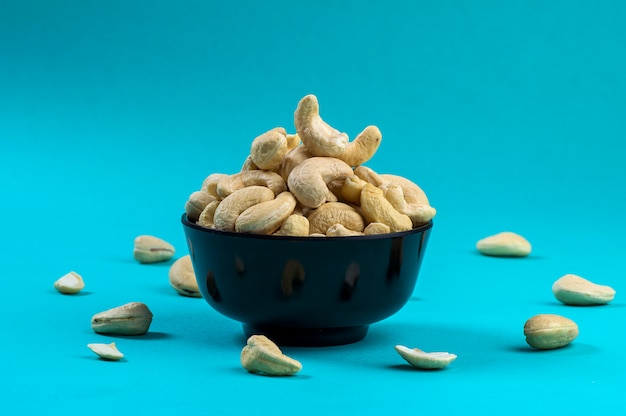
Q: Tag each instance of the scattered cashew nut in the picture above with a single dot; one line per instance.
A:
(107, 352)
(262, 356)
(504, 244)
(549, 331)
(151, 249)
(183, 279)
(575, 290)
(69, 283)
(425, 360)
(133, 318)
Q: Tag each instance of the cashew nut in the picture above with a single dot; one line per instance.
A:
(248, 164)
(210, 183)
(376, 208)
(295, 225)
(208, 214)
(320, 138)
(231, 183)
(260, 355)
(237, 202)
(197, 201)
(293, 141)
(292, 159)
(363, 147)
(266, 217)
(376, 228)
(368, 175)
(268, 150)
(331, 213)
(409, 200)
(309, 180)
(351, 189)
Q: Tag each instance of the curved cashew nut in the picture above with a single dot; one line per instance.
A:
(320, 138)
(196, 202)
(408, 198)
(377, 209)
(206, 218)
(363, 147)
(309, 180)
(234, 204)
(295, 225)
(268, 179)
(339, 230)
(268, 150)
(331, 213)
(266, 217)
(293, 158)
(210, 183)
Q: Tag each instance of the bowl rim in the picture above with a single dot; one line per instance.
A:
(272, 237)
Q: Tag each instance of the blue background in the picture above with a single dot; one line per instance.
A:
(510, 115)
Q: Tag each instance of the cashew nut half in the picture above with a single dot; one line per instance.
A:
(309, 180)
(234, 204)
(320, 138)
(266, 217)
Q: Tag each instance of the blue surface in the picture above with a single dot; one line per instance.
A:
(510, 115)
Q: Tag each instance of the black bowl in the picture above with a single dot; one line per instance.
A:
(306, 291)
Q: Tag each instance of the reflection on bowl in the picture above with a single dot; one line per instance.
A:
(306, 291)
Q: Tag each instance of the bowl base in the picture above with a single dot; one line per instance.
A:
(308, 337)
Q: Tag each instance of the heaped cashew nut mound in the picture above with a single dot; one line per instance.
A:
(311, 182)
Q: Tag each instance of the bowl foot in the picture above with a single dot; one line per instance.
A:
(308, 337)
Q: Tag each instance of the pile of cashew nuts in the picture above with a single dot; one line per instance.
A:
(311, 183)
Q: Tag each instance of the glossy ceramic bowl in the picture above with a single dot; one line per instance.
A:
(306, 291)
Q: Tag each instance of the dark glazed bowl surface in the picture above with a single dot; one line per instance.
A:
(306, 291)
